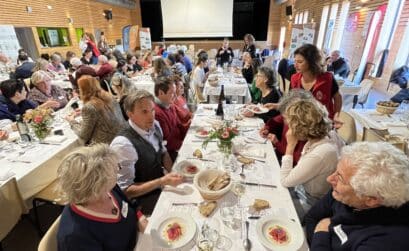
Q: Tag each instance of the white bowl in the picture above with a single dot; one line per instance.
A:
(203, 178)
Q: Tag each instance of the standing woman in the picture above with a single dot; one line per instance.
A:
(199, 78)
(311, 77)
(89, 39)
(249, 45)
(101, 115)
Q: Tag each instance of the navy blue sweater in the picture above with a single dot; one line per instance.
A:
(381, 228)
(86, 233)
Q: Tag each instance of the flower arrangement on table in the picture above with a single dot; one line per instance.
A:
(40, 120)
(224, 134)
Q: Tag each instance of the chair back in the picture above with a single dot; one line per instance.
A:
(366, 86)
(268, 61)
(11, 206)
(284, 84)
(49, 241)
(348, 130)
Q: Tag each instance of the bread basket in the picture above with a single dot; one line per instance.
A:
(385, 109)
(203, 178)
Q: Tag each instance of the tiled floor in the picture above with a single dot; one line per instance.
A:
(24, 236)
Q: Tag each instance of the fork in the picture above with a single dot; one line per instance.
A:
(242, 175)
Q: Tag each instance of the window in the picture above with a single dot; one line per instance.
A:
(79, 32)
(336, 41)
(305, 17)
(53, 37)
(323, 24)
(282, 39)
(330, 27)
(300, 18)
(296, 19)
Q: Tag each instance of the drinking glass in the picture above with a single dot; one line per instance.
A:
(211, 231)
(404, 107)
(231, 216)
(238, 189)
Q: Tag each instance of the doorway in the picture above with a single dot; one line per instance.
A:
(25, 37)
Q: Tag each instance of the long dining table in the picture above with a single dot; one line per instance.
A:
(265, 171)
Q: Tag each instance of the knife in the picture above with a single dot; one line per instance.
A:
(184, 204)
(256, 184)
(210, 160)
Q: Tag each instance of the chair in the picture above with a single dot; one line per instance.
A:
(49, 241)
(268, 61)
(348, 130)
(284, 84)
(11, 207)
(48, 195)
(362, 97)
(373, 135)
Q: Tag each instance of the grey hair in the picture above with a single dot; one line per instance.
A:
(125, 83)
(55, 57)
(75, 62)
(292, 96)
(39, 76)
(134, 98)
(270, 75)
(338, 52)
(382, 171)
(40, 64)
(85, 173)
(102, 58)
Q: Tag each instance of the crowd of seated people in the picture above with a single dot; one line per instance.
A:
(144, 132)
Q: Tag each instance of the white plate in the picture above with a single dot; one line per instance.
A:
(261, 109)
(294, 230)
(200, 135)
(187, 224)
(180, 167)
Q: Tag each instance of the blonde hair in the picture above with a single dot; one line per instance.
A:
(85, 173)
(39, 76)
(41, 64)
(308, 119)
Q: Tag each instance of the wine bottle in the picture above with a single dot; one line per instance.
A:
(22, 129)
(219, 110)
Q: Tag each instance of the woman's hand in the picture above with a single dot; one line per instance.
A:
(323, 225)
(272, 138)
(70, 117)
(263, 132)
(291, 142)
(271, 106)
(51, 104)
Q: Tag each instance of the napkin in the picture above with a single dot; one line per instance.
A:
(253, 152)
(55, 139)
(253, 137)
(13, 136)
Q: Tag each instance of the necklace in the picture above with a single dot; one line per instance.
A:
(114, 210)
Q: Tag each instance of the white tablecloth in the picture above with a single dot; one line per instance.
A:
(144, 82)
(268, 173)
(62, 82)
(234, 85)
(349, 88)
(36, 165)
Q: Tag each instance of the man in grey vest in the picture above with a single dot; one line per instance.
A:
(144, 162)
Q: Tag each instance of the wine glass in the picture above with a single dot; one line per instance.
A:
(238, 189)
(211, 231)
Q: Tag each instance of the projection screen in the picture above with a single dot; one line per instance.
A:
(197, 18)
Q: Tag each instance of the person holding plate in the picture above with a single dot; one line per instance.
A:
(368, 206)
(266, 82)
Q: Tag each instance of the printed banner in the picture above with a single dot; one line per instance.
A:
(9, 44)
(145, 39)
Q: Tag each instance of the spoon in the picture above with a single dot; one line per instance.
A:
(246, 242)
(242, 175)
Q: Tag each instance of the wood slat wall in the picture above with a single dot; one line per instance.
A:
(86, 14)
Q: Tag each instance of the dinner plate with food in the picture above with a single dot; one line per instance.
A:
(202, 133)
(279, 233)
(257, 109)
(189, 168)
(175, 230)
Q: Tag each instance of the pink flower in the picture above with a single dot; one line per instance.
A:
(225, 135)
(38, 119)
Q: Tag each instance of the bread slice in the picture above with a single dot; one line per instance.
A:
(207, 208)
(260, 204)
(198, 154)
(245, 160)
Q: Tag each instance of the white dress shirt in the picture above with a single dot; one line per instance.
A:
(127, 154)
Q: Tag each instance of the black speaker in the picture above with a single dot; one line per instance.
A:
(108, 14)
(289, 10)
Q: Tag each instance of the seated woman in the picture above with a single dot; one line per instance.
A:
(308, 120)
(42, 65)
(133, 66)
(199, 77)
(43, 90)
(87, 57)
(147, 60)
(96, 208)
(182, 111)
(122, 86)
(266, 82)
(56, 65)
(160, 69)
(101, 115)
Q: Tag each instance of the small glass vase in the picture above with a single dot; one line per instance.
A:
(225, 146)
(41, 134)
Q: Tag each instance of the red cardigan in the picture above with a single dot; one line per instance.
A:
(321, 90)
(173, 130)
(276, 126)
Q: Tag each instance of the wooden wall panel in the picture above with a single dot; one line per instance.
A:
(86, 14)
